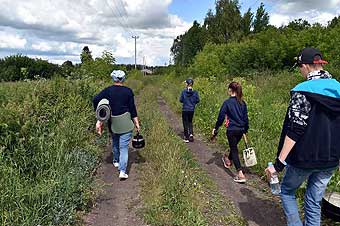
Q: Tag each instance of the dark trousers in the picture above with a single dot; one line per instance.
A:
(234, 137)
(187, 117)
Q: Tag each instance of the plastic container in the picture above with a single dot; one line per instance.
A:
(274, 182)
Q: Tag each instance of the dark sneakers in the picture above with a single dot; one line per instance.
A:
(191, 138)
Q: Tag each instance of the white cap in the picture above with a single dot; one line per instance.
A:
(118, 76)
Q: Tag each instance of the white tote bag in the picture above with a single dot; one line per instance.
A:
(249, 155)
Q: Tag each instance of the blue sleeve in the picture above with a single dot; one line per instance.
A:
(221, 115)
(197, 98)
(246, 127)
(98, 98)
(181, 98)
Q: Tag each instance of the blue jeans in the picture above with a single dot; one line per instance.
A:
(316, 186)
(120, 148)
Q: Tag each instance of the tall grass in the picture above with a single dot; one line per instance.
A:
(174, 189)
(267, 97)
(47, 151)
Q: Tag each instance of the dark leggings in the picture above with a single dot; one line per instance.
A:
(234, 137)
(187, 117)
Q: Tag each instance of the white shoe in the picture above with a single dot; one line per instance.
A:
(123, 175)
(116, 164)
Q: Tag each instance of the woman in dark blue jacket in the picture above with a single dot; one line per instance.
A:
(124, 113)
(189, 98)
(234, 110)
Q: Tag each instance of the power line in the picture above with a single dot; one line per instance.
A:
(124, 13)
(117, 17)
(124, 20)
(126, 27)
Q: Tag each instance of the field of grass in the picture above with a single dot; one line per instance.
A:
(175, 190)
(267, 97)
(49, 151)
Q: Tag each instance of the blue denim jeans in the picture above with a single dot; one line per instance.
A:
(316, 186)
(120, 148)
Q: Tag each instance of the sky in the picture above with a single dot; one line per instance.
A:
(58, 30)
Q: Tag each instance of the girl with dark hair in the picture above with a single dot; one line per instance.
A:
(234, 110)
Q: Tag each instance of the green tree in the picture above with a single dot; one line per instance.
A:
(86, 55)
(334, 22)
(67, 68)
(108, 57)
(299, 24)
(225, 23)
(101, 67)
(247, 22)
(19, 67)
(185, 47)
(177, 50)
(261, 20)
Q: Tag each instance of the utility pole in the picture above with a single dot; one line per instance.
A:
(144, 62)
(135, 37)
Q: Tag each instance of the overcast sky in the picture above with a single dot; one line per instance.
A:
(58, 30)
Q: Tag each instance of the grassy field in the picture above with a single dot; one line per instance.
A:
(49, 151)
(267, 97)
(175, 190)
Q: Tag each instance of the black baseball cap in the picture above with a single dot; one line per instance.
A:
(309, 56)
(189, 81)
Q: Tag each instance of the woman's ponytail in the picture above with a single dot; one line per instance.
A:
(237, 88)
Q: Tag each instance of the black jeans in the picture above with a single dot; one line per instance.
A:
(234, 137)
(187, 117)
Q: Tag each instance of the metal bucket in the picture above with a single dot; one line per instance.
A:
(331, 205)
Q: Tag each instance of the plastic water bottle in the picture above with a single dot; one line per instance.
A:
(274, 182)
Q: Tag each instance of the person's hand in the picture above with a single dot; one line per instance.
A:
(270, 170)
(213, 136)
(99, 127)
(137, 128)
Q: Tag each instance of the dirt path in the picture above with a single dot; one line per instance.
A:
(257, 207)
(119, 200)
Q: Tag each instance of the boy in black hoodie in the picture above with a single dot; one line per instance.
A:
(309, 144)
(189, 98)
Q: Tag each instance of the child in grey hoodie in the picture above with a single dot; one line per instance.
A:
(189, 98)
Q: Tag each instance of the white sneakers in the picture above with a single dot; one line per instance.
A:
(123, 175)
(116, 164)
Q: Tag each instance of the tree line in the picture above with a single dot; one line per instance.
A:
(228, 42)
(20, 67)
(227, 24)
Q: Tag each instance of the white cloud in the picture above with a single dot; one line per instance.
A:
(314, 11)
(11, 41)
(278, 20)
(52, 29)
